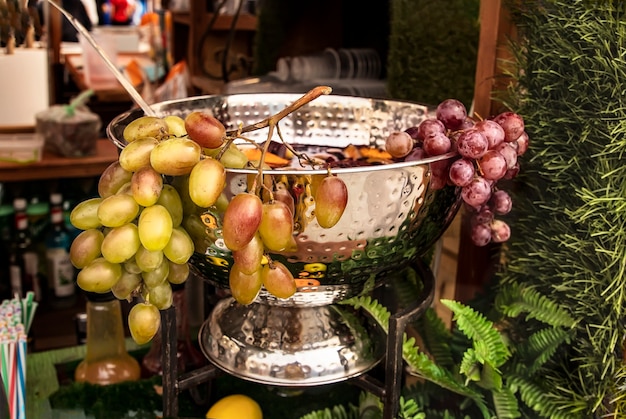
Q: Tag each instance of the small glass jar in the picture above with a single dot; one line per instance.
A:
(107, 361)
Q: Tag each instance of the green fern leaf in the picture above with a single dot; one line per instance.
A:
(543, 401)
(336, 412)
(505, 404)
(436, 337)
(418, 362)
(515, 300)
(476, 327)
(470, 366)
(540, 346)
(490, 378)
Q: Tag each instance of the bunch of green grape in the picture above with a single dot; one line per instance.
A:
(135, 240)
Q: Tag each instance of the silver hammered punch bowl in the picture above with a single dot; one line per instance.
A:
(393, 216)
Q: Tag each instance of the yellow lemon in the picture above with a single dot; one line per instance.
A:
(235, 406)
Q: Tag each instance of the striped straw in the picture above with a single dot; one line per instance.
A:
(21, 377)
(12, 380)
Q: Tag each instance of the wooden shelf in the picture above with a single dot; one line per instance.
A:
(245, 22)
(53, 166)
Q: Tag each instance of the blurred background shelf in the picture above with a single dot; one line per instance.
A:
(53, 166)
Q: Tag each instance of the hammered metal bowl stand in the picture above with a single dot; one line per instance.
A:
(388, 391)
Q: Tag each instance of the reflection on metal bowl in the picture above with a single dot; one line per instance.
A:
(291, 346)
(392, 215)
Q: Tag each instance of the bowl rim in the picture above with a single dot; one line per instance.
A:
(291, 170)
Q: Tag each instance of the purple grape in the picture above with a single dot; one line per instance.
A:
(500, 231)
(412, 131)
(398, 144)
(472, 144)
(417, 153)
(429, 126)
(512, 172)
(509, 152)
(483, 216)
(492, 165)
(467, 124)
(439, 174)
(452, 113)
(513, 125)
(501, 202)
(477, 192)
(522, 143)
(492, 131)
(436, 144)
(461, 172)
(481, 234)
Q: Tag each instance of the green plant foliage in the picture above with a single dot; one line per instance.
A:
(514, 300)
(569, 219)
(489, 345)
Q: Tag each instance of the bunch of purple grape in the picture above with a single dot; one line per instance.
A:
(487, 151)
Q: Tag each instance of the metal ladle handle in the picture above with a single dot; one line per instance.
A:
(127, 85)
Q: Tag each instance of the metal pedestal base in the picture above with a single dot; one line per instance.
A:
(388, 391)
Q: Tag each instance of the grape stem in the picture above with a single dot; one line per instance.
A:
(272, 123)
(306, 98)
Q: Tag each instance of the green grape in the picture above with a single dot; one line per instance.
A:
(85, 215)
(146, 185)
(278, 280)
(180, 246)
(331, 199)
(86, 247)
(137, 154)
(250, 257)
(126, 285)
(283, 195)
(161, 296)
(196, 229)
(155, 227)
(175, 156)
(112, 179)
(205, 129)
(148, 260)
(170, 199)
(125, 189)
(131, 266)
(121, 243)
(232, 158)
(144, 321)
(178, 272)
(145, 126)
(206, 182)
(241, 220)
(117, 210)
(276, 228)
(181, 184)
(175, 125)
(156, 276)
(99, 276)
(244, 287)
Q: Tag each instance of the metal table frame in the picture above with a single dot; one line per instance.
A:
(388, 391)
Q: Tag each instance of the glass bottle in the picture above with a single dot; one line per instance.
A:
(107, 361)
(6, 237)
(60, 270)
(23, 259)
(187, 356)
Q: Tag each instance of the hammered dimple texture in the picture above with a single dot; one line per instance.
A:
(290, 346)
(392, 215)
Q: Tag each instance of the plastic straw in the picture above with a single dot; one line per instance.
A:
(16, 316)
